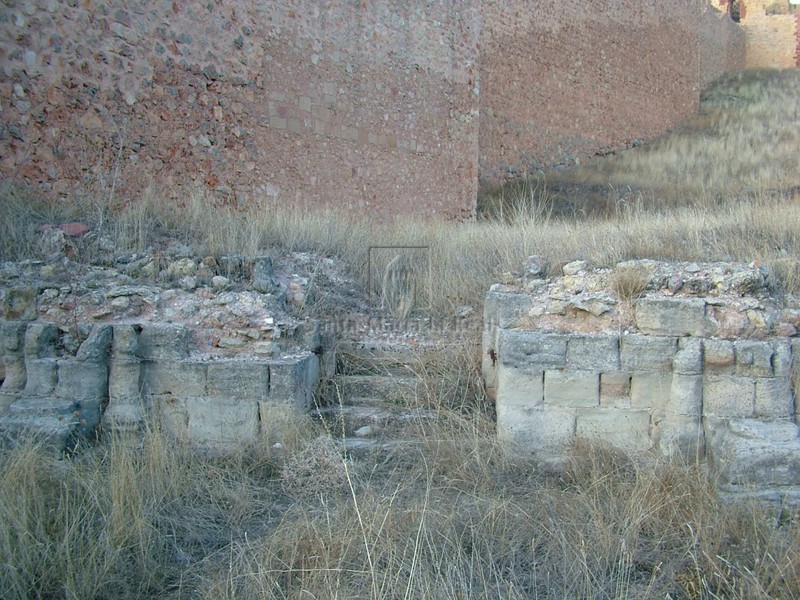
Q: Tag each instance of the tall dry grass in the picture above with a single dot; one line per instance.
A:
(459, 517)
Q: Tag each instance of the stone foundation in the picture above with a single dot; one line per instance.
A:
(124, 374)
(663, 383)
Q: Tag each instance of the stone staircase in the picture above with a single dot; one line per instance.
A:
(376, 400)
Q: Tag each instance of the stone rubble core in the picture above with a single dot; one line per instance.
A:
(703, 364)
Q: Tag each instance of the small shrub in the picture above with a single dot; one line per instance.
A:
(630, 282)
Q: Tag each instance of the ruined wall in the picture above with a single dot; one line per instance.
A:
(123, 375)
(709, 372)
(771, 29)
(361, 105)
(377, 107)
(562, 79)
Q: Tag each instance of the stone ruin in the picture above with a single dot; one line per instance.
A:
(700, 362)
(123, 371)
(85, 349)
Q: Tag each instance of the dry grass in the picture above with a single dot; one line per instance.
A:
(461, 517)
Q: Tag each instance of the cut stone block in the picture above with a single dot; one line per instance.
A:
(686, 395)
(40, 340)
(625, 429)
(728, 396)
(782, 359)
(615, 389)
(82, 381)
(673, 317)
(96, 347)
(593, 352)
(230, 379)
(291, 381)
(689, 358)
(755, 452)
(41, 376)
(647, 353)
(180, 379)
(222, 422)
(681, 436)
(163, 342)
(520, 387)
(529, 350)
(13, 343)
(546, 432)
(650, 390)
(774, 398)
(718, 357)
(571, 388)
(753, 358)
(125, 340)
(124, 383)
(504, 309)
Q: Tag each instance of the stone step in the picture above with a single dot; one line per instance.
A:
(373, 421)
(54, 432)
(365, 361)
(372, 449)
(380, 389)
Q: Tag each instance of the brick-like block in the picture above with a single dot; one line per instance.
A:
(681, 436)
(82, 381)
(571, 388)
(40, 340)
(41, 376)
(650, 390)
(181, 379)
(125, 340)
(782, 358)
(213, 421)
(292, 381)
(672, 317)
(163, 342)
(754, 451)
(615, 388)
(753, 358)
(520, 387)
(97, 346)
(544, 431)
(531, 350)
(593, 352)
(647, 353)
(238, 379)
(625, 429)
(728, 396)
(689, 358)
(774, 398)
(124, 380)
(686, 395)
(718, 357)
(504, 309)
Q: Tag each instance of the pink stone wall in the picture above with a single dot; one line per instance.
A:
(561, 79)
(379, 107)
(368, 105)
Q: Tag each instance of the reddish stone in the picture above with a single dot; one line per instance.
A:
(74, 229)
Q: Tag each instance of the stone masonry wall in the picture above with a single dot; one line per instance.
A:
(562, 79)
(373, 107)
(670, 381)
(361, 106)
(772, 32)
(124, 374)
